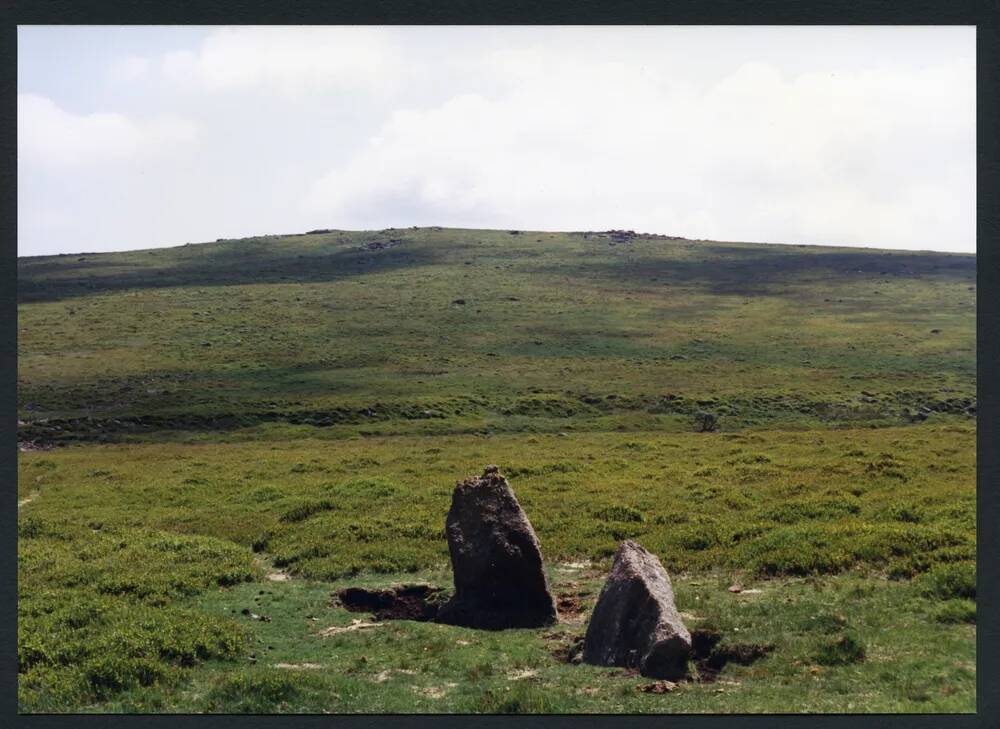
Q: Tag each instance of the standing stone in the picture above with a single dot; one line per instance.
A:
(500, 581)
(635, 623)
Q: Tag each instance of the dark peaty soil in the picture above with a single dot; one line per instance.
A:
(407, 602)
(710, 655)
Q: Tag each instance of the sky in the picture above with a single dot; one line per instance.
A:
(141, 137)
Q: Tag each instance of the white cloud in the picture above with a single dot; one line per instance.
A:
(289, 60)
(877, 157)
(861, 136)
(49, 135)
(129, 68)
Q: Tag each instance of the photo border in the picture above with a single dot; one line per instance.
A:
(984, 15)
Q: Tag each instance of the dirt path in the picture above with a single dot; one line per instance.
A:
(272, 574)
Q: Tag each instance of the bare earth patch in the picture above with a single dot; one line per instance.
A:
(658, 687)
(522, 674)
(27, 499)
(434, 692)
(383, 676)
(355, 625)
(270, 573)
(570, 607)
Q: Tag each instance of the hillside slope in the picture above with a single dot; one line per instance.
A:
(444, 330)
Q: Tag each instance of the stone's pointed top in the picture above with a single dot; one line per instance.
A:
(632, 558)
(491, 476)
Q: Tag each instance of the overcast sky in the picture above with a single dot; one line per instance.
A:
(137, 137)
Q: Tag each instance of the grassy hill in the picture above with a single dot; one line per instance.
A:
(438, 331)
(218, 426)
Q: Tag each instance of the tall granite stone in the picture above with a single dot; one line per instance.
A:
(500, 580)
(635, 623)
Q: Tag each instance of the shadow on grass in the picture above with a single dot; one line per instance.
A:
(245, 262)
(747, 271)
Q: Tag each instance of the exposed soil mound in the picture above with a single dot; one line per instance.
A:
(408, 602)
(570, 607)
(565, 647)
(569, 603)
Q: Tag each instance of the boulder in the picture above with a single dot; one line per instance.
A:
(500, 580)
(635, 623)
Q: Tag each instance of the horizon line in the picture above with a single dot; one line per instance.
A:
(324, 231)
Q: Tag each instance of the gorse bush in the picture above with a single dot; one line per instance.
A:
(950, 580)
(518, 698)
(256, 691)
(694, 537)
(96, 610)
(619, 513)
(796, 510)
(30, 527)
(306, 509)
(366, 488)
(841, 650)
(956, 611)
(107, 674)
(518, 471)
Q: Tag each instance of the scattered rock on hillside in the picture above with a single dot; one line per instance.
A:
(254, 616)
(635, 623)
(621, 236)
(381, 245)
(500, 580)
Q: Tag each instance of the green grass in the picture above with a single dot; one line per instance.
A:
(557, 330)
(839, 644)
(305, 404)
(774, 502)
